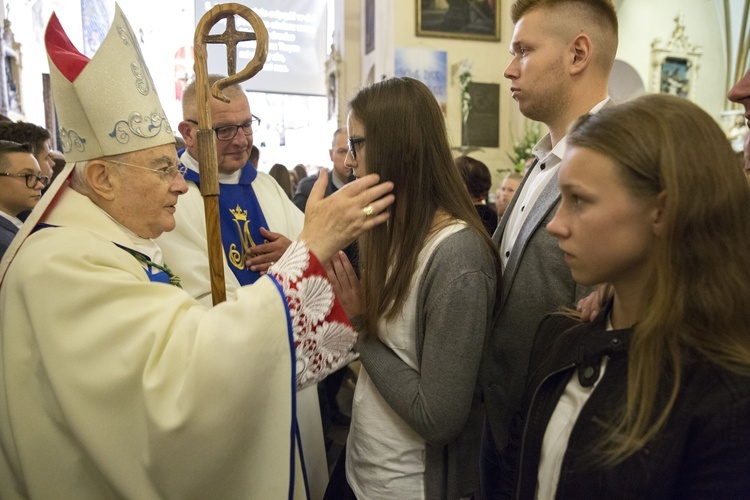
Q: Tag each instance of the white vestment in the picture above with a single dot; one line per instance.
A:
(114, 386)
(185, 251)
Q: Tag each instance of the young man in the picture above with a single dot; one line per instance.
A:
(38, 137)
(115, 382)
(563, 52)
(21, 186)
(338, 176)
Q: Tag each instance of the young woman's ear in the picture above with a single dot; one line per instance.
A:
(657, 221)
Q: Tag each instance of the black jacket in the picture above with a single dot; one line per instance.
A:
(703, 451)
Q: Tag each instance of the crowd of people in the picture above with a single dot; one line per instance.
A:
(587, 338)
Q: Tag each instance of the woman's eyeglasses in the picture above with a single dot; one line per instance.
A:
(353, 141)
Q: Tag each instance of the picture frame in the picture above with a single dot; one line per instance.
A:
(482, 128)
(461, 19)
(675, 64)
(675, 76)
(334, 75)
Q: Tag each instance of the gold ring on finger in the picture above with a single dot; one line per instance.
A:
(369, 211)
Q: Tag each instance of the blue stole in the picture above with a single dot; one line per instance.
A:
(240, 219)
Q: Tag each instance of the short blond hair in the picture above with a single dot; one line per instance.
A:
(595, 18)
(190, 95)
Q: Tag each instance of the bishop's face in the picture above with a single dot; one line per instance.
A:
(145, 199)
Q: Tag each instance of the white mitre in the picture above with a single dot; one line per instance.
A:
(107, 105)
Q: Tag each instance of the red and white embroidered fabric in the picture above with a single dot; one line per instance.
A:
(323, 336)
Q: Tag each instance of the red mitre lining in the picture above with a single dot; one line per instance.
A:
(69, 61)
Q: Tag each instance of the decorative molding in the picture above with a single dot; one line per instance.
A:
(335, 82)
(10, 69)
(675, 65)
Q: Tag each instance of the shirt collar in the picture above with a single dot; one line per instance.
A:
(15, 220)
(335, 180)
(543, 149)
(234, 178)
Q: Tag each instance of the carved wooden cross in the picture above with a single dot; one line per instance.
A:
(231, 37)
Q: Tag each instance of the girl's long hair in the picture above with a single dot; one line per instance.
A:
(406, 143)
(697, 305)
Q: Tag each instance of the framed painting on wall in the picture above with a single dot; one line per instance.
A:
(675, 76)
(465, 19)
(675, 64)
(426, 65)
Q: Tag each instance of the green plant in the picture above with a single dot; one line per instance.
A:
(522, 149)
(464, 78)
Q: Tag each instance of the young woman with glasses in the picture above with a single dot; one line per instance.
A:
(423, 308)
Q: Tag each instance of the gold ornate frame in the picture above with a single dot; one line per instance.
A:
(482, 25)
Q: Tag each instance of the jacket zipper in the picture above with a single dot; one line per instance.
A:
(526, 425)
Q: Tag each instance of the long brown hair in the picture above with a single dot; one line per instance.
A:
(698, 301)
(408, 145)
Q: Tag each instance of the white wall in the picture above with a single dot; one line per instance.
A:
(642, 21)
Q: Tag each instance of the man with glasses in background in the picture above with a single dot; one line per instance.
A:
(258, 222)
(257, 218)
(21, 185)
(37, 137)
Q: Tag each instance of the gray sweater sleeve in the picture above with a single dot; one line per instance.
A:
(454, 312)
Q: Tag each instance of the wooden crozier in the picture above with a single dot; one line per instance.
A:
(208, 161)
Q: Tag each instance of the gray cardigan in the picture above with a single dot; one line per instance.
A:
(456, 299)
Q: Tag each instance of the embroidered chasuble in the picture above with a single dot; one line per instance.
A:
(241, 219)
